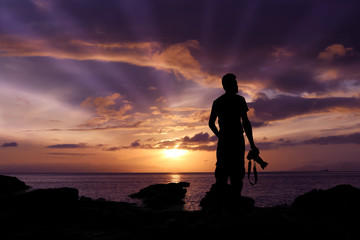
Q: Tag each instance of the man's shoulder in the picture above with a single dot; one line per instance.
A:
(225, 97)
(219, 98)
(240, 97)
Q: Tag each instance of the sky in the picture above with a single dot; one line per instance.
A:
(127, 86)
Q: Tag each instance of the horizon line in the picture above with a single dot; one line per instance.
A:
(295, 171)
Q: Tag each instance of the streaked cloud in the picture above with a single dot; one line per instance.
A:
(67, 145)
(200, 141)
(285, 106)
(353, 138)
(109, 109)
(176, 58)
(10, 144)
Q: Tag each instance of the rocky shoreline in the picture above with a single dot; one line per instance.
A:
(62, 214)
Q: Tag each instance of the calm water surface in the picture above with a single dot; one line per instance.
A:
(273, 188)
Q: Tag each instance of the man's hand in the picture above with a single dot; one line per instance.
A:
(255, 149)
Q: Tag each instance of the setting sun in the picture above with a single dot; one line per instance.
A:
(173, 153)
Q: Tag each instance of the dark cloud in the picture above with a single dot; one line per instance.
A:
(200, 138)
(10, 144)
(275, 144)
(68, 145)
(111, 149)
(200, 141)
(353, 138)
(135, 144)
(246, 32)
(283, 106)
(70, 154)
(203, 142)
(293, 80)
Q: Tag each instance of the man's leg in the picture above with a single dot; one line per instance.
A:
(221, 176)
(236, 180)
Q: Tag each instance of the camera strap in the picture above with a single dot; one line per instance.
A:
(255, 173)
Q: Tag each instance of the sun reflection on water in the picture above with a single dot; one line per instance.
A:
(175, 178)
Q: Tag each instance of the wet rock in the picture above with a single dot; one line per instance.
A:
(162, 195)
(11, 185)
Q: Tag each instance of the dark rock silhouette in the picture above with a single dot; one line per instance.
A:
(224, 200)
(59, 214)
(341, 199)
(162, 195)
(45, 197)
(11, 185)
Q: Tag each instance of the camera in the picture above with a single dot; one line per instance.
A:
(254, 155)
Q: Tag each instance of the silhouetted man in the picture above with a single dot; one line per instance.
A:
(231, 111)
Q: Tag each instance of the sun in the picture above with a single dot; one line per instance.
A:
(174, 153)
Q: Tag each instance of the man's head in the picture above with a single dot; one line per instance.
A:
(229, 83)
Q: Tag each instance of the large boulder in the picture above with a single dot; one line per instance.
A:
(223, 199)
(162, 195)
(341, 199)
(11, 185)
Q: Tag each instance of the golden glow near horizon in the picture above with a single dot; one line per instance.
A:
(174, 153)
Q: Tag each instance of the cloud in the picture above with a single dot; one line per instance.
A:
(176, 58)
(284, 106)
(67, 145)
(293, 79)
(10, 144)
(281, 53)
(275, 144)
(334, 50)
(70, 154)
(201, 141)
(135, 144)
(353, 138)
(108, 110)
(200, 138)
(115, 112)
(204, 142)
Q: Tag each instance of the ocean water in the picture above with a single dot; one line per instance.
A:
(273, 188)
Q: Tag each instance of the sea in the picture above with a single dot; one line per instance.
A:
(272, 188)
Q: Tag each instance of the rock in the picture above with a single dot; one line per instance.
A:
(224, 199)
(162, 195)
(341, 199)
(84, 198)
(11, 185)
(45, 198)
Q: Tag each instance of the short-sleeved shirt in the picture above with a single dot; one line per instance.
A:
(229, 108)
(231, 146)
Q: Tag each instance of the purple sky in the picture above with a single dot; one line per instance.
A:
(108, 85)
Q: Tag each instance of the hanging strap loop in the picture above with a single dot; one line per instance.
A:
(255, 173)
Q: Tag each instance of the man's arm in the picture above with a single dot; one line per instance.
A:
(212, 119)
(248, 131)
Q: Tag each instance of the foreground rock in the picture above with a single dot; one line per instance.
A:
(11, 185)
(159, 196)
(339, 200)
(46, 217)
(224, 200)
